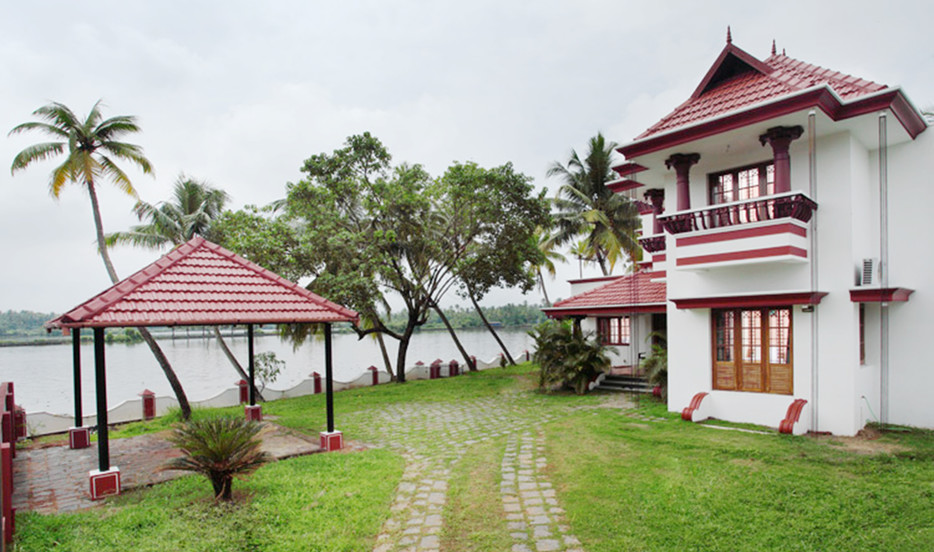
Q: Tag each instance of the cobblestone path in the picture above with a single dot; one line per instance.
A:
(432, 438)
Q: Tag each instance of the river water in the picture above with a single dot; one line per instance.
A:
(42, 375)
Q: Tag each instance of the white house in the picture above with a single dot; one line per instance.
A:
(785, 214)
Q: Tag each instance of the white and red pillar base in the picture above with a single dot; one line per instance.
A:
(79, 437)
(105, 483)
(254, 413)
(332, 440)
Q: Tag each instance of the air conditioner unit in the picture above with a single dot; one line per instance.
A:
(868, 274)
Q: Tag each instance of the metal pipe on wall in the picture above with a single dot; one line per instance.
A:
(815, 320)
(883, 268)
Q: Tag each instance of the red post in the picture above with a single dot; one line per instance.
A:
(244, 391)
(6, 458)
(317, 377)
(375, 371)
(453, 368)
(149, 404)
(682, 162)
(434, 371)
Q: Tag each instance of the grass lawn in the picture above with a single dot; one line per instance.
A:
(626, 483)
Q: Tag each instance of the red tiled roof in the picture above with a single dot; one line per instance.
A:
(202, 283)
(630, 291)
(752, 86)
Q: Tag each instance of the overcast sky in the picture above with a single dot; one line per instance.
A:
(240, 93)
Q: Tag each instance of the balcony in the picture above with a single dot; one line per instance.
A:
(761, 230)
(794, 205)
(653, 244)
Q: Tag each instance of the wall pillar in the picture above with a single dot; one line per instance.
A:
(780, 139)
(682, 162)
(656, 197)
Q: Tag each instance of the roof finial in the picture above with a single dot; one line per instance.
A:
(783, 51)
(773, 47)
(729, 36)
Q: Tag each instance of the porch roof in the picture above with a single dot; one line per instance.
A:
(641, 292)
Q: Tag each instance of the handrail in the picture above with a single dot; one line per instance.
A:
(794, 205)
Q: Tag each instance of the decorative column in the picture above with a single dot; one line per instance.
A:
(780, 139)
(656, 197)
(682, 163)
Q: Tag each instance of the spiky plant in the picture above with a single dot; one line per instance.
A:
(656, 365)
(566, 358)
(220, 449)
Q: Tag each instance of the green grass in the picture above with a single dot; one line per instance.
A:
(677, 486)
(319, 502)
(625, 483)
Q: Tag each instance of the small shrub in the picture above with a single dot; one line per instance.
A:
(567, 358)
(268, 368)
(220, 449)
(656, 366)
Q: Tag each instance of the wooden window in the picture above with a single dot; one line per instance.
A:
(613, 331)
(742, 183)
(862, 333)
(752, 350)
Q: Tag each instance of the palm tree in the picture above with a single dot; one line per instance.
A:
(91, 148)
(546, 244)
(586, 207)
(195, 204)
(220, 449)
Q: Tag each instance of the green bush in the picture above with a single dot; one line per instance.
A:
(220, 449)
(567, 358)
(656, 366)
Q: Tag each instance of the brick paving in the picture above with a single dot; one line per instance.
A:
(55, 479)
(432, 438)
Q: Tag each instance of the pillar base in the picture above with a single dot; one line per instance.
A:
(332, 440)
(79, 437)
(254, 413)
(104, 483)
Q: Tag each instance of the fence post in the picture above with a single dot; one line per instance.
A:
(454, 368)
(375, 371)
(149, 404)
(317, 377)
(244, 391)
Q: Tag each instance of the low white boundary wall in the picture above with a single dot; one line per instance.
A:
(45, 423)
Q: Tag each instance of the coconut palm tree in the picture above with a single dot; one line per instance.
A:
(195, 204)
(546, 244)
(586, 207)
(193, 207)
(92, 148)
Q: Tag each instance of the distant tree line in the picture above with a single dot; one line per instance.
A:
(460, 318)
(23, 323)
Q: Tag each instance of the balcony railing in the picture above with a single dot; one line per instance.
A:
(653, 244)
(789, 205)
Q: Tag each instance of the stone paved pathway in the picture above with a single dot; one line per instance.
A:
(432, 438)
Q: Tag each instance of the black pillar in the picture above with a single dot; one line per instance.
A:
(76, 361)
(249, 335)
(103, 447)
(329, 380)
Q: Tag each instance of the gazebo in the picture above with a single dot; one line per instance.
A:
(197, 283)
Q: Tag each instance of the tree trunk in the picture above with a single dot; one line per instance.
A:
(470, 365)
(233, 360)
(541, 282)
(489, 327)
(400, 357)
(385, 353)
(147, 337)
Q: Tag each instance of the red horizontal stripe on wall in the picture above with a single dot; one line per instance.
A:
(743, 255)
(786, 228)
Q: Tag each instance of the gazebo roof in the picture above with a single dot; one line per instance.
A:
(201, 283)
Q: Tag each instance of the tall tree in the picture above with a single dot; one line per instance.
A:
(193, 208)
(586, 207)
(547, 246)
(92, 148)
(489, 218)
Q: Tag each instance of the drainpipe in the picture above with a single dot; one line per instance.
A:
(883, 269)
(815, 321)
